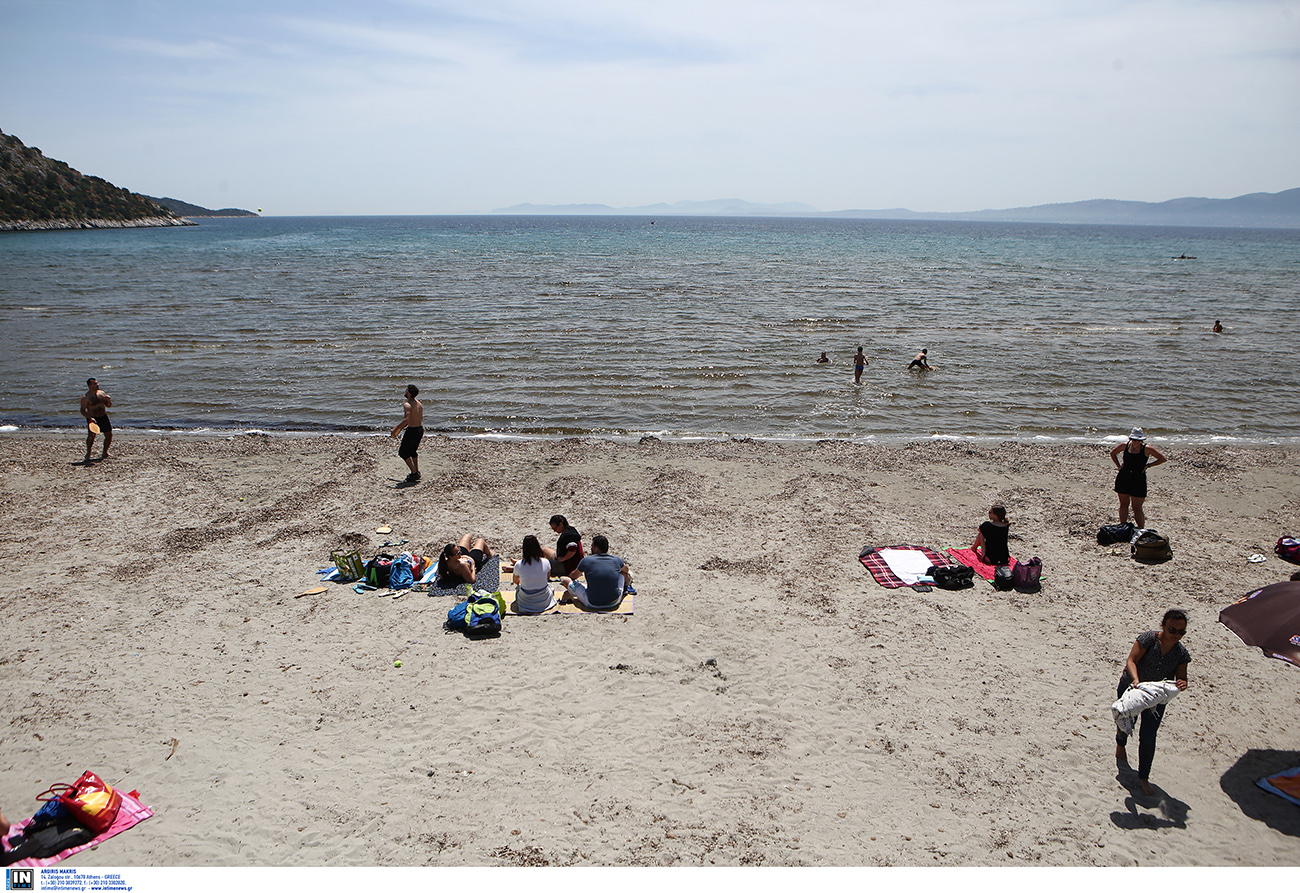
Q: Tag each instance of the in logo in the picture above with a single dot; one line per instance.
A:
(20, 878)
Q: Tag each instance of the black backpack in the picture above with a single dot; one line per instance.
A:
(1003, 579)
(379, 570)
(954, 576)
(1110, 534)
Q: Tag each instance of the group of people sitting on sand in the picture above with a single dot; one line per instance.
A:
(607, 577)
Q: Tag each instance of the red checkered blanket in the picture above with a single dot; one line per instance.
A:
(872, 561)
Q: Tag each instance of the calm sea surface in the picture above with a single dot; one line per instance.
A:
(680, 327)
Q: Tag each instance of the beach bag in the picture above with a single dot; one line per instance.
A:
(956, 576)
(1288, 549)
(402, 576)
(91, 801)
(478, 615)
(1003, 578)
(379, 571)
(1110, 534)
(1026, 576)
(1151, 546)
(349, 564)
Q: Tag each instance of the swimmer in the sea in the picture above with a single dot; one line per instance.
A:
(921, 361)
(859, 363)
(1218, 326)
(823, 358)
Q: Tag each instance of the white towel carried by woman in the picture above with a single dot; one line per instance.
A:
(1141, 697)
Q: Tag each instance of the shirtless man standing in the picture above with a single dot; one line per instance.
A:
(859, 363)
(413, 422)
(94, 406)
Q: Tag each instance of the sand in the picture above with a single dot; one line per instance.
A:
(767, 704)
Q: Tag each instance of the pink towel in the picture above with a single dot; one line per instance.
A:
(131, 813)
(972, 561)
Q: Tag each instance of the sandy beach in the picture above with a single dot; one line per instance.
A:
(767, 704)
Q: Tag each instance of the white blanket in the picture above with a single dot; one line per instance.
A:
(1138, 698)
(908, 565)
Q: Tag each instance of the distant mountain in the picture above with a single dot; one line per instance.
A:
(1259, 209)
(722, 207)
(185, 209)
(41, 193)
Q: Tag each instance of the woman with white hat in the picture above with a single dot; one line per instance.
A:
(1131, 482)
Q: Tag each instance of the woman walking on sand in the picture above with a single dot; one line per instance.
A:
(1131, 481)
(1155, 656)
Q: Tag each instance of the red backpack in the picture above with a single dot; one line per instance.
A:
(1288, 549)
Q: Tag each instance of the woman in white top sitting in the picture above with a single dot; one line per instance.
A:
(532, 591)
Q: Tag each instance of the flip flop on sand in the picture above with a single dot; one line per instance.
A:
(384, 529)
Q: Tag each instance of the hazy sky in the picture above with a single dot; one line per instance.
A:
(450, 106)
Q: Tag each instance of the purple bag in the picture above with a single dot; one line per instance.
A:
(1025, 575)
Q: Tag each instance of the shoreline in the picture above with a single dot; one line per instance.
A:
(33, 226)
(792, 440)
(767, 704)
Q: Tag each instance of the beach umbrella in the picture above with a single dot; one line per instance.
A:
(1268, 618)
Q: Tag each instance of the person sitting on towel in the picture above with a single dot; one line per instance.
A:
(608, 578)
(532, 592)
(568, 552)
(460, 563)
(991, 540)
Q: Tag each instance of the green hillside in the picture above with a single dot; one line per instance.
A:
(40, 193)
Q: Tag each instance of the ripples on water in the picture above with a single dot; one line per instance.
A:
(683, 326)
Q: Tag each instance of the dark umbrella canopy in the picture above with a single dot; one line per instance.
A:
(1270, 619)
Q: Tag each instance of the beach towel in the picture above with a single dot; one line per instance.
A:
(131, 813)
(1285, 784)
(627, 606)
(972, 561)
(912, 561)
(1140, 697)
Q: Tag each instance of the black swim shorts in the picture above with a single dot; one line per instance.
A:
(105, 426)
(410, 442)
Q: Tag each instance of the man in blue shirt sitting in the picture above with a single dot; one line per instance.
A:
(608, 578)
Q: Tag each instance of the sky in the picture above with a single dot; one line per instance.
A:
(465, 106)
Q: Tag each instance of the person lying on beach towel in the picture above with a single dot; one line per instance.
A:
(460, 562)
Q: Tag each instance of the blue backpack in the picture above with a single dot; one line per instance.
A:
(478, 615)
(401, 576)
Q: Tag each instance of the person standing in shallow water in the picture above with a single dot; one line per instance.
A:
(859, 363)
(1131, 481)
(1153, 658)
(413, 422)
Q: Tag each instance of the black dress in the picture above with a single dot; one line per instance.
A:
(1132, 477)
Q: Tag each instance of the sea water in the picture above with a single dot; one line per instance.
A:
(672, 326)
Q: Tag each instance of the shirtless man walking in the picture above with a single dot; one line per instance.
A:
(94, 406)
(859, 363)
(413, 422)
